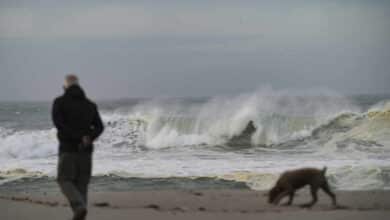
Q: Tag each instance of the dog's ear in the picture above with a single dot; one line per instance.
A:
(323, 171)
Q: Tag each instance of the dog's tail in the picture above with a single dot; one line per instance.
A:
(324, 170)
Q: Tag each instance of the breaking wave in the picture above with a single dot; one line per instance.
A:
(174, 137)
(277, 116)
(281, 120)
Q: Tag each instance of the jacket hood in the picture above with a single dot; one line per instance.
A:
(76, 92)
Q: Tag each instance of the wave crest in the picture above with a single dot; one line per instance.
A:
(278, 116)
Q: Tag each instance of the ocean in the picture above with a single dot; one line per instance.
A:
(186, 142)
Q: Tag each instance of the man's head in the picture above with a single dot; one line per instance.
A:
(70, 80)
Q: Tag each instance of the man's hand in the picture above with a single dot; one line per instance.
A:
(86, 140)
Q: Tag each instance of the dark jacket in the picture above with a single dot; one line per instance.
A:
(75, 116)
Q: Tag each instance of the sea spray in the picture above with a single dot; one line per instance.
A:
(187, 138)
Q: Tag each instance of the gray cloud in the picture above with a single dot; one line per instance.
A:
(201, 48)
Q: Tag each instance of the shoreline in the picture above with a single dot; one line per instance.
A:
(199, 204)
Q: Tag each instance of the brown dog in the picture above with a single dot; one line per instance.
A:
(291, 181)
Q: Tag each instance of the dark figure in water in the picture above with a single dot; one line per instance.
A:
(244, 138)
(250, 129)
(78, 124)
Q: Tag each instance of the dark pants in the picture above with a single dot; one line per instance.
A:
(74, 173)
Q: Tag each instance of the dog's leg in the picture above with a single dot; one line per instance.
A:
(280, 197)
(313, 191)
(327, 190)
(290, 198)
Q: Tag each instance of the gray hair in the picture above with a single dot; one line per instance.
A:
(70, 80)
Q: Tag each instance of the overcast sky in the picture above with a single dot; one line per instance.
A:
(192, 48)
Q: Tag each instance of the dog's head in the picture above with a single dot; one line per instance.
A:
(274, 193)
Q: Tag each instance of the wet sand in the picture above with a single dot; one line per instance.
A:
(210, 204)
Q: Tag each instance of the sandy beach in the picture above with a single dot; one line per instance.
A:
(210, 204)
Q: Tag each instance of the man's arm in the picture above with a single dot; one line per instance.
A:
(97, 124)
(59, 122)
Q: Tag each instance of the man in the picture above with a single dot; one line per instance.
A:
(78, 124)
